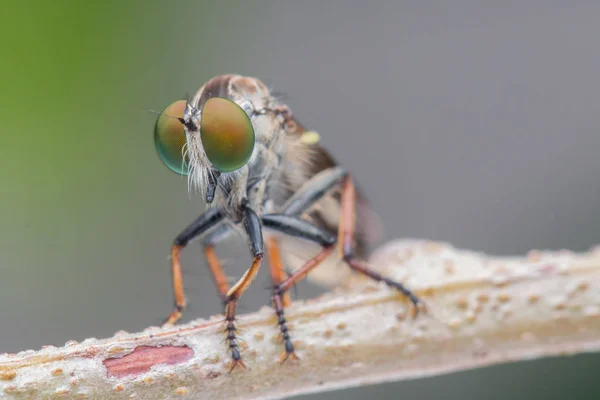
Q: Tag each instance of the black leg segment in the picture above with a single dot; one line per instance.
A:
(298, 227)
(316, 189)
(204, 222)
(254, 231)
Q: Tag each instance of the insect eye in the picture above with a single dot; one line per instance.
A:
(227, 134)
(169, 138)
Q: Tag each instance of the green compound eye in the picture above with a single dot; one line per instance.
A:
(227, 134)
(169, 138)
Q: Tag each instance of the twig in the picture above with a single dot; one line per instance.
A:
(482, 311)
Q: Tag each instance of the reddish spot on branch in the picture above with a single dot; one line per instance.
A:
(548, 269)
(145, 357)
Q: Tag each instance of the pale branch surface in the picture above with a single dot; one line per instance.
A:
(482, 311)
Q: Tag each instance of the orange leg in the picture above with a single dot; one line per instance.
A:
(180, 301)
(215, 268)
(204, 222)
(296, 227)
(346, 238)
(278, 274)
(285, 286)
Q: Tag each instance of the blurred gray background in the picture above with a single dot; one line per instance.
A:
(471, 122)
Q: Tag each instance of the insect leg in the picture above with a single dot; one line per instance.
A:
(214, 264)
(346, 237)
(253, 229)
(277, 271)
(298, 203)
(200, 225)
(313, 190)
(297, 227)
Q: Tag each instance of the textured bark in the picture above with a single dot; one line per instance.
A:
(481, 311)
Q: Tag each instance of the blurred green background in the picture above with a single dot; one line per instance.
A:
(468, 123)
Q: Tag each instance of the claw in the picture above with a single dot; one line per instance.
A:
(416, 308)
(288, 353)
(235, 363)
(285, 355)
(236, 359)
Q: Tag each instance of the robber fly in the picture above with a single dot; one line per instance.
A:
(258, 168)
